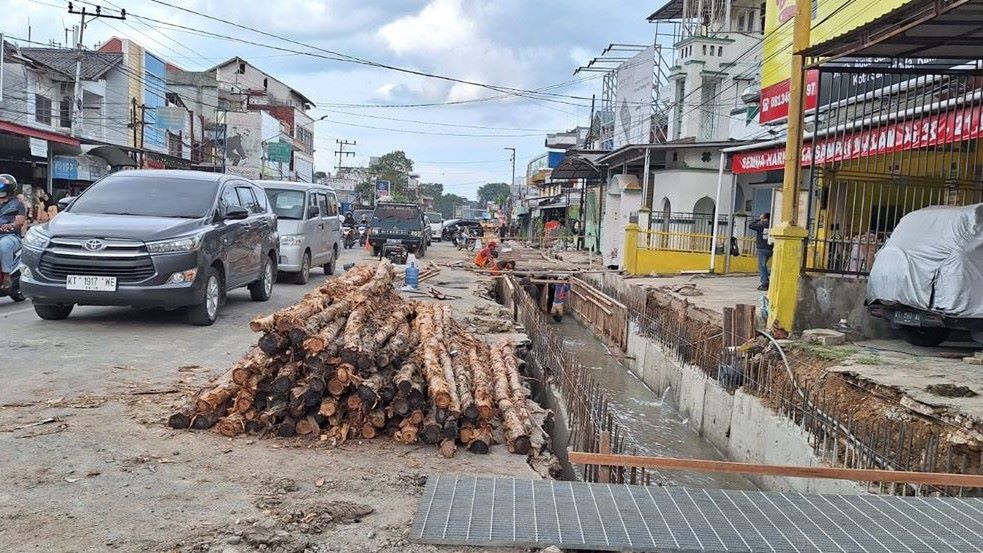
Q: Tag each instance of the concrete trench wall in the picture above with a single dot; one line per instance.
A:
(739, 425)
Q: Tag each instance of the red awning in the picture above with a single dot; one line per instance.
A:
(932, 130)
(21, 130)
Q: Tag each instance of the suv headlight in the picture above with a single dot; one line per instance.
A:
(291, 239)
(186, 244)
(36, 239)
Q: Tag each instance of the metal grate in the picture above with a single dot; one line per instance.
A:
(464, 510)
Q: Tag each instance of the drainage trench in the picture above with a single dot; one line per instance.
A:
(597, 401)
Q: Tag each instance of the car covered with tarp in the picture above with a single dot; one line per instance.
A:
(927, 280)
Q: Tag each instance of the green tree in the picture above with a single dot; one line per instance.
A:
(446, 203)
(497, 192)
(394, 167)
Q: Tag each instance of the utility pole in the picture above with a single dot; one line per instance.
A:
(512, 182)
(77, 100)
(341, 153)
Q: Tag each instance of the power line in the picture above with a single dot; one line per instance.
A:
(435, 123)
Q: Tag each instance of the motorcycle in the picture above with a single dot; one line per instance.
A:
(348, 237)
(13, 291)
(363, 235)
(464, 239)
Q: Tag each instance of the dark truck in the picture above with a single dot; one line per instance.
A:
(398, 223)
(153, 238)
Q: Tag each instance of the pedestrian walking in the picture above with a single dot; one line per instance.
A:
(764, 247)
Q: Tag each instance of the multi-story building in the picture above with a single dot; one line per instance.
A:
(244, 89)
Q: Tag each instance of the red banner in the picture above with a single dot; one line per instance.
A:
(928, 131)
(774, 98)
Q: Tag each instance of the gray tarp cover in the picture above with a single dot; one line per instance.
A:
(933, 261)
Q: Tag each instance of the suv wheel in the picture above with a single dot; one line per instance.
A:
(925, 337)
(206, 312)
(305, 270)
(329, 266)
(262, 289)
(53, 312)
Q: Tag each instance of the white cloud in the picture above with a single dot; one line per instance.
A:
(439, 27)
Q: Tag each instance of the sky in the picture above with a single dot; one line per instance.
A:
(519, 44)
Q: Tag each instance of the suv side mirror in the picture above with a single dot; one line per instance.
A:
(65, 202)
(236, 213)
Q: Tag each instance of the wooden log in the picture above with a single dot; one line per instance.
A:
(392, 323)
(450, 428)
(206, 420)
(433, 370)
(401, 405)
(328, 334)
(286, 377)
(262, 324)
(481, 440)
(368, 390)
(287, 428)
(222, 389)
(182, 418)
(430, 431)
(462, 378)
(368, 431)
(308, 426)
(517, 437)
(482, 378)
(231, 425)
(329, 406)
(353, 402)
(377, 417)
(447, 449)
(273, 413)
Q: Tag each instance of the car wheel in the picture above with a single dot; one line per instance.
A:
(329, 266)
(206, 312)
(53, 312)
(305, 270)
(925, 337)
(262, 289)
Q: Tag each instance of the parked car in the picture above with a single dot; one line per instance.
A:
(402, 223)
(436, 221)
(927, 277)
(153, 238)
(450, 227)
(309, 226)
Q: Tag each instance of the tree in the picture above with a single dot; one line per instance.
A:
(446, 203)
(497, 192)
(394, 167)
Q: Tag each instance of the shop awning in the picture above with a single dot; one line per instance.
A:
(114, 156)
(22, 130)
(951, 29)
(578, 166)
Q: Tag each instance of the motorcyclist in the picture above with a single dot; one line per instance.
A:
(364, 220)
(13, 216)
(349, 220)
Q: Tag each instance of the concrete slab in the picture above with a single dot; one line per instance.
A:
(709, 292)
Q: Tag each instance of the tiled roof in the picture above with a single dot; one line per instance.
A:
(62, 60)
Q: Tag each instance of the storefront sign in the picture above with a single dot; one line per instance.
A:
(39, 147)
(934, 130)
(278, 152)
(170, 118)
(774, 99)
(66, 168)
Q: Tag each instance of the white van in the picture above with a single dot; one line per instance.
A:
(309, 226)
(436, 221)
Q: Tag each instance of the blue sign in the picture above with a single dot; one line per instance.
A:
(381, 188)
(66, 168)
(555, 158)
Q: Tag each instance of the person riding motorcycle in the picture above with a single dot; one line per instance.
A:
(13, 216)
(364, 220)
(349, 220)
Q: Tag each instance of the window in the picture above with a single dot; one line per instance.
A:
(740, 23)
(266, 83)
(262, 199)
(322, 204)
(287, 204)
(708, 109)
(306, 137)
(677, 119)
(761, 16)
(705, 50)
(42, 109)
(242, 68)
(148, 195)
(247, 199)
(229, 199)
(720, 51)
(332, 204)
(65, 112)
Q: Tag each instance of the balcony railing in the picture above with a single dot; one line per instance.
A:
(693, 233)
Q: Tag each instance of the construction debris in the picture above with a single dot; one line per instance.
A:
(353, 359)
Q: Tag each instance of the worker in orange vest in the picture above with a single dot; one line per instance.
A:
(485, 259)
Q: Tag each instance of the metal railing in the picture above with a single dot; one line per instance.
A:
(693, 233)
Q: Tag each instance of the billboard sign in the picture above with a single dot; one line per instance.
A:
(243, 146)
(278, 152)
(381, 188)
(831, 18)
(633, 104)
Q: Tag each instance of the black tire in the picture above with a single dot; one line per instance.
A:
(262, 289)
(53, 312)
(206, 312)
(329, 266)
(925, 337)
(302, 276)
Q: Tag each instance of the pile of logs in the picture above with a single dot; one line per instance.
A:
(354, 359)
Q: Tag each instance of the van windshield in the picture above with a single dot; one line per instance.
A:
(403, 217)
(148, 197)
(287, 204)
(435, 217)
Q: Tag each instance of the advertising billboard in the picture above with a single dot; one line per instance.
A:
(381, 188)
(633, 104)
(244, 145)
(830, 19)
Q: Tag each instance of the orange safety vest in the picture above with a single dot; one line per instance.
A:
(483, 258)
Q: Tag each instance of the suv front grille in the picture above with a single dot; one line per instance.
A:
(128, 261)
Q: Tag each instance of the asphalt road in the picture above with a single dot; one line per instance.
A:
(100, 347)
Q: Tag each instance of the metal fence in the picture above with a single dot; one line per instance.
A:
(693, 232)
(891, 140)
(839, 433)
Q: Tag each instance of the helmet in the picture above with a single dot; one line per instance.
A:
(348, 214)
(8, 185)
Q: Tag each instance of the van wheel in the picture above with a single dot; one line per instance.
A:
(56, 312)
(925, 337)
(305, 270)
(206, 312)
(262, 289)
(329, 266)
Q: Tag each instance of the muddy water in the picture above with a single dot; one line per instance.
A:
(653, 426)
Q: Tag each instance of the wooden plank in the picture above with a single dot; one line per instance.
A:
(591, 300)
(729, 327)
(835, 473)
(745, 323)
(593, 290)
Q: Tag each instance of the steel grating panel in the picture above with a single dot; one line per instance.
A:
(465, 510)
